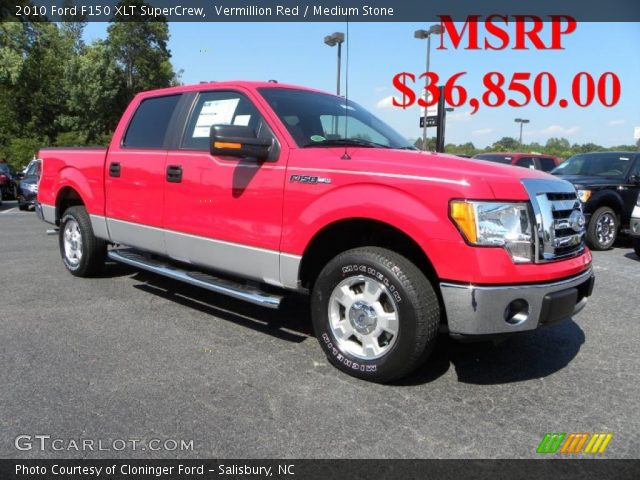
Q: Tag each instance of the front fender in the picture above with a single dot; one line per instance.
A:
(609, 198)
(384, 203)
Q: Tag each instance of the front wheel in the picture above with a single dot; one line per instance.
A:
(375, 314)
(82, 252)
(636, 246)
(602, 229)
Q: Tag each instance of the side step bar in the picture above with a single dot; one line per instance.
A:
(198, 279)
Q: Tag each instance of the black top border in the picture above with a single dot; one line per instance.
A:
(316, 10)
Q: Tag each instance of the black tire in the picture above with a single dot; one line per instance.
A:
(603, 229)
(405, 292)
(23, 207)
(93, 250)
(636, 246)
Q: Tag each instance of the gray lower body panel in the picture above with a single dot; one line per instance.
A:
(480, 310)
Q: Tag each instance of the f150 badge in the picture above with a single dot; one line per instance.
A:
(309, 179)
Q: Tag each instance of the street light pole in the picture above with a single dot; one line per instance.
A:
(521, 121)
(422, 34)
(336, 38)
(426, 95)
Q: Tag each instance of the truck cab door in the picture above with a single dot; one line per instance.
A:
(225, 213)
(629, 191)
(135, 175)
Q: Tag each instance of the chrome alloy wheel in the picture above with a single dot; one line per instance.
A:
(363, 317)
(72, 242)
(606, 228)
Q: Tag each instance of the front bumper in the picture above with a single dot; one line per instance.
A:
(634, 224)
(497, 310)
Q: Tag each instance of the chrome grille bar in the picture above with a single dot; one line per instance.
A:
(559, 232)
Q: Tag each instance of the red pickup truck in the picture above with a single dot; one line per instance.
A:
(253, 189)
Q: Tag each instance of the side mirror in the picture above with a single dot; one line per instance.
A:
(238, 141)
(20, 175)
(635, 179)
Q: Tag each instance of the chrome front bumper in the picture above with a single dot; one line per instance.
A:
(495, 310)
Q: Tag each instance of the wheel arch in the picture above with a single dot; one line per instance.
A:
(348, 233)
(67, 197)
(607, 198)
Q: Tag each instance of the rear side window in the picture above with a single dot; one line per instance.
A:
(150, 123)
(546, 164)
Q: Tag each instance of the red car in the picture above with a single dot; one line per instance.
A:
(256, 189)
(534, 161)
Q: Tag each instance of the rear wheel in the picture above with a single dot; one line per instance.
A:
(375, 314)
(82, 253)
(603, 229)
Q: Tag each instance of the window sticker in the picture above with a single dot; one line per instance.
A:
(242, 120)
(214, 112)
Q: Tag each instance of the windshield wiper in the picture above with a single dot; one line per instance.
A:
(337, 142)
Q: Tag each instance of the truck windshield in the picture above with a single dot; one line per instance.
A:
(612, 165)
(321, 120)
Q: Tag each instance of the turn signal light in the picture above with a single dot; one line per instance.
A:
(463, 214)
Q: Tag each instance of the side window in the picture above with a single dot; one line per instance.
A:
(221, 108)
(546, 164)
(150, 122)
(526, 162)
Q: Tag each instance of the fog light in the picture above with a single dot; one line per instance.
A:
(517, 312)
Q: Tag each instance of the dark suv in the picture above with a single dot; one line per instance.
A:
(8, 185)
(608, 184)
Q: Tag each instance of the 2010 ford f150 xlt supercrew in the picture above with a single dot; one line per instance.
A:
(251, 189)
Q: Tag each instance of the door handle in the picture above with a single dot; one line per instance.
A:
(114, 169)
(174, 173)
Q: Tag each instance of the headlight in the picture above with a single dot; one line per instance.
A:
(584, 195)
(32, 187)
(638, 200)
(496, 224)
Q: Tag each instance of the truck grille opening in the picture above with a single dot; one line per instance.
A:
(558, 219)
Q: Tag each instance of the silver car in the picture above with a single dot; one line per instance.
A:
(635, 226)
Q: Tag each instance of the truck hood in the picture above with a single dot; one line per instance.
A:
(586, 181)
(502, 181)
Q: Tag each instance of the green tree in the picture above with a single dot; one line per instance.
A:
(96, 96)
(139, 44)
(506, 144)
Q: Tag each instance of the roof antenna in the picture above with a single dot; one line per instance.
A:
(345, 155)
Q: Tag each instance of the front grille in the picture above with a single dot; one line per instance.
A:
(558, 220)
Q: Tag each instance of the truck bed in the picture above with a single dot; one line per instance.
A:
(81, 168)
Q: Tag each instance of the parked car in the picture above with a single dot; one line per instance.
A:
(534, 161)
(8, 185)
(634, 227)
(608, 184)
(248, 189)
(28, 186)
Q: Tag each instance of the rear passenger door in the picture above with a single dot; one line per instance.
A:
(135, 176)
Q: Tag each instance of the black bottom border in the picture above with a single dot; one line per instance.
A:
(206, 469)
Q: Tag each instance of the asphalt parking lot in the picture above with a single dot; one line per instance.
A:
(135, 356)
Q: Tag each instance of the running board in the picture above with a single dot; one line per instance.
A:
(198, 279)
